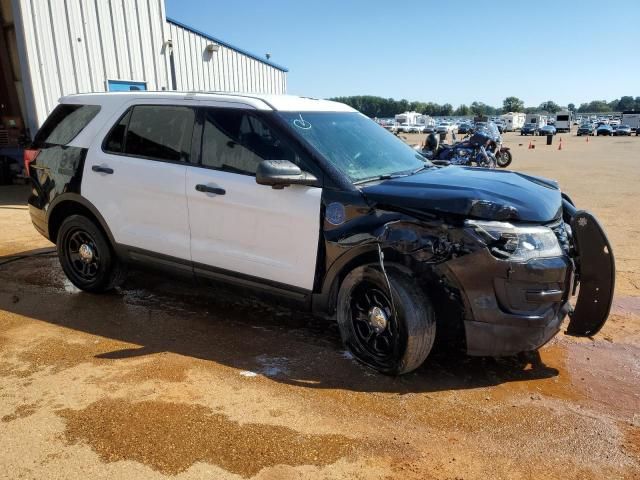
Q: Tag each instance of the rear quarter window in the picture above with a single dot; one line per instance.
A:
(65, 123)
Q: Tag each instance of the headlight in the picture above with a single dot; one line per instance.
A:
(517, 243)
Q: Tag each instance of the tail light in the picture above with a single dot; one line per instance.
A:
(29, 156)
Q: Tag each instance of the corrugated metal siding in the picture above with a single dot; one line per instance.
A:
(75, 46)
(226, 70)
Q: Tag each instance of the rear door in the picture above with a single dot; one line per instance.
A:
(239, 227)
(136, 178)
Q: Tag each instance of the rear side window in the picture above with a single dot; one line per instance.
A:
(159, 132)
(65, 123)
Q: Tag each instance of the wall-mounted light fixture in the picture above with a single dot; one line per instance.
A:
(213, 47)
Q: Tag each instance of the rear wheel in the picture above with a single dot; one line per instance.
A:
(86, 256)
(390, 342)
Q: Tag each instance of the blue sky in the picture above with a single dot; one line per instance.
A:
(440, 51)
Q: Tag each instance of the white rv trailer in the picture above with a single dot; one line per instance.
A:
(564, 119)
(537, 119)
(632, 119)
(513, 121)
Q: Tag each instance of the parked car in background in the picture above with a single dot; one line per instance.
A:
(547, 130)
(614, 122)
(623, 130)
(444, 127)
(586, 129)
(465, 128)
(604, 129)
(529, 129)
(500, 125)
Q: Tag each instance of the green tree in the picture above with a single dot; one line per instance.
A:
(446, 110)
(462, 111)
(549, 106)
(478, 108)
(595, 106)
(571, 107)
(512, 104)
(626, 103)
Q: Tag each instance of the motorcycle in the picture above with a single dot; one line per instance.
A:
(476, 150)
(482, 147)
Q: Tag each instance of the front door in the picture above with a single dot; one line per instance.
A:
(238, 226)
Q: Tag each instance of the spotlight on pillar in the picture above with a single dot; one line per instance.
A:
(213, 47)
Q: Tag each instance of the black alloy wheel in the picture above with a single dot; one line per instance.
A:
(86, 255)
(390, 332)
(82, 254)
(373, 321)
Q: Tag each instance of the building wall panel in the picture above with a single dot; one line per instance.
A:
(75, 46)
(227, 70)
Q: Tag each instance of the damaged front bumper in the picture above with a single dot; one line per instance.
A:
(524, 305)
(520, 310)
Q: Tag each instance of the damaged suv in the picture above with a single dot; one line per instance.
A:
(308, 200)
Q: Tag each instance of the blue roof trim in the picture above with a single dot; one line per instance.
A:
(228, 45)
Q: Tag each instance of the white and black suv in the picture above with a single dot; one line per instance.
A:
(311, 201)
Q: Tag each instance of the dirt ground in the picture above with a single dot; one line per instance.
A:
(165, 379)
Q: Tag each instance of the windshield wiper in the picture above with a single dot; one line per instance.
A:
(420, 169)
(387, 176)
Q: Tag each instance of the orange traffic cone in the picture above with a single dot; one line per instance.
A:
(530, 146)
(587, 138)
(560, 144)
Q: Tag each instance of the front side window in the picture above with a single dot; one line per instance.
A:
(237, 141)
(159, 132)
(354, 144)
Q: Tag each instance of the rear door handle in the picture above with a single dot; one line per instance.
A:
(208, 189)
(100, 169)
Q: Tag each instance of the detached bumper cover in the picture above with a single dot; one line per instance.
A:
(596, 274)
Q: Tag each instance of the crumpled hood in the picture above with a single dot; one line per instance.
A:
(474, 193)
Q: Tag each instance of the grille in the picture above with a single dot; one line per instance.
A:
(4, 137)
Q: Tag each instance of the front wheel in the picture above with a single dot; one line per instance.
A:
(504, 158)
(390, 342)
(86, 256)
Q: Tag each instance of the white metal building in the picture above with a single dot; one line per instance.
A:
(50, 48)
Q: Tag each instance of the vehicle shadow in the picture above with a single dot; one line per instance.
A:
(215, 324)
(14, 196)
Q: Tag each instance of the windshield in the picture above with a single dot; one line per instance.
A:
(355, 145)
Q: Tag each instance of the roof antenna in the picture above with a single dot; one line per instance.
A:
(268, 55)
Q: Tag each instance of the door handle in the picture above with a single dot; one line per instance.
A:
(100, 169)
(208, 189)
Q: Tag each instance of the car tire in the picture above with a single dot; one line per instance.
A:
(407, 337)
(87, 257)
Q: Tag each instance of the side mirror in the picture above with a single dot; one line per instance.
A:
(282, 173)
